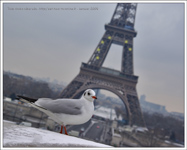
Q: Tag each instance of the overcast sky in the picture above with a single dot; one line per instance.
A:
(53, 43)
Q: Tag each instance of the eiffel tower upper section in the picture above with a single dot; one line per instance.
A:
(119, 31)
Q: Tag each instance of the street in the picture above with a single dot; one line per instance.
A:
(93, 129)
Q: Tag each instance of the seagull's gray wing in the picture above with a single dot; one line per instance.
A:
(65, 106)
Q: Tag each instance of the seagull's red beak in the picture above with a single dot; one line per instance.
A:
(94, 97)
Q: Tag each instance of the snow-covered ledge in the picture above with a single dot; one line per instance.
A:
(22, 136)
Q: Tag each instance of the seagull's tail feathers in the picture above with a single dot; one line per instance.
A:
(26, 99)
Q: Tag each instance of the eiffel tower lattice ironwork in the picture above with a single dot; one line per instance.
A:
(92, 75)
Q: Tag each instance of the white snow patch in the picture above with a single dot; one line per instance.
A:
(22, 136)
(9, 121)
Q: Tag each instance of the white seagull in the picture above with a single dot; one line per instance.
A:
(65, 111)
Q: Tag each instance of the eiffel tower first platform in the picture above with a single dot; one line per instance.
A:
(92, 75)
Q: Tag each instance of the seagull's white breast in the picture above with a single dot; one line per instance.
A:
(87, 112)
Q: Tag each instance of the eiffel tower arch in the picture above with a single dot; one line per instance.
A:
(92, 75)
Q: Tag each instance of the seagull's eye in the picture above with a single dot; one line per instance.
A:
(88, 93)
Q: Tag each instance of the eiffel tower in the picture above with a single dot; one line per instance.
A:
(92, 75)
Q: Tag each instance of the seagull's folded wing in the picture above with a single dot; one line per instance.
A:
(65, 106)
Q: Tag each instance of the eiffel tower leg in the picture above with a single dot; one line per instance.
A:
(101, 50)
(127, 59)
(71, 89)
(136, 113)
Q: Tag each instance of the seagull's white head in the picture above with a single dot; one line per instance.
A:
(89, 95)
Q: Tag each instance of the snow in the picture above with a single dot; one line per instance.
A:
(22, 136)
(176, 144)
